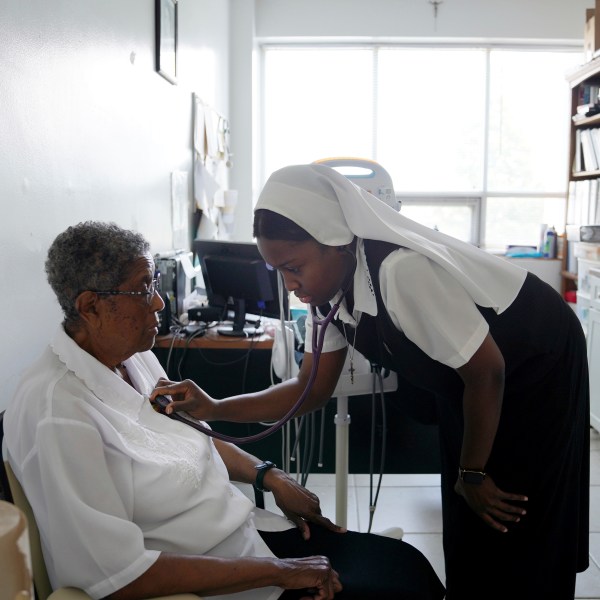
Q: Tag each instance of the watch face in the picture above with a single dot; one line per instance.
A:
(472, 477)
(266, 465)
(261, 470)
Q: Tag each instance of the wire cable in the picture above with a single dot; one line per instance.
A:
(311, 449)
(321, 439)
(377, 378)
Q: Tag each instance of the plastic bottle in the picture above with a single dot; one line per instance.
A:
(543, 230)
(550, 243)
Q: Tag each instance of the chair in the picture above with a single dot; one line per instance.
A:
(15, 557)
(40, 577)
(14, 493)
(367, 174)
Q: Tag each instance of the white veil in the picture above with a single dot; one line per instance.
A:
(334, 210)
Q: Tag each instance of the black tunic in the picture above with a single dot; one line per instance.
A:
(541, 448)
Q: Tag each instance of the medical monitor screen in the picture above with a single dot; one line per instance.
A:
(236, 277)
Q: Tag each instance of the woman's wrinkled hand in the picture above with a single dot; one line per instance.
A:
(187, 396)
(297, 503)
(491, 504)
(313, 573)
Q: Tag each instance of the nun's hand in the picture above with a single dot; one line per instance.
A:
(491, 504)
(187, 396)
(297, 503)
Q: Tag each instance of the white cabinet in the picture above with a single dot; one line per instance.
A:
(584, 290)
(593, 346)
(547, 269)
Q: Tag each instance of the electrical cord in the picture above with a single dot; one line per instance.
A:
(305, 441)
(178, 331)
(377, 377)
(189, 338)
(298, 432)
(175, 331)
(311, 448)
(321, 439)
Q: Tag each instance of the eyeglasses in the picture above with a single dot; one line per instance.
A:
(153, 288)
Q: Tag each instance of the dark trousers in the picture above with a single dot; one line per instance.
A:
(369, 566)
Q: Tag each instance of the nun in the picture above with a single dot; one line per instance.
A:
(498, 350)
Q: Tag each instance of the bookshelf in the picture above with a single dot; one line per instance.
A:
(581, 261)
(583, 205)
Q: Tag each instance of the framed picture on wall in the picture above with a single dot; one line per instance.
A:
(166, 38)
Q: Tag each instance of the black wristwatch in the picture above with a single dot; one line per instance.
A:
(262, 469)
(471, 476)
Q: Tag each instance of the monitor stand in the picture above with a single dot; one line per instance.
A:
(239, 327)
(231, 331)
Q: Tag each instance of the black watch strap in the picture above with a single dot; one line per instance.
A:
(471, 476)
(262, 469)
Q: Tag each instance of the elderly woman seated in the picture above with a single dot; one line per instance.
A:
(131, 504)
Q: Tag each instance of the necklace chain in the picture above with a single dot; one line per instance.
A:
(352, 349)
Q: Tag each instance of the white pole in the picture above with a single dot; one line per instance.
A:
(342, 424)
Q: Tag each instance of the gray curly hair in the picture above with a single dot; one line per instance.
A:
(90, 256)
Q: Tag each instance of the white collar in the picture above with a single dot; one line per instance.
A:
(364, 295)
(105, 384)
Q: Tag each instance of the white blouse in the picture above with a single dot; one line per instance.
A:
(423, 300)
(113, 483)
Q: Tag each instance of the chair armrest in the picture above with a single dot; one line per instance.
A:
(70, 593)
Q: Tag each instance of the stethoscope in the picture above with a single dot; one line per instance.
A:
(318, 338)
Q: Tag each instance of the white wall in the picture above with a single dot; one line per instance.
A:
(509, 19)
(241, 69)
(89, 130)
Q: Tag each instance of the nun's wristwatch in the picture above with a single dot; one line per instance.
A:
(262, 469)
(471, 476)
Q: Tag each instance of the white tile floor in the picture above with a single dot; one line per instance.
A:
(413, 503)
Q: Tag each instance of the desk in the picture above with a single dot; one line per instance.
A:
(214, 341)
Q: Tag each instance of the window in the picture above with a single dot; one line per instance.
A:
(475, 138)
(458, 217)
(314, 107)
(431, 119)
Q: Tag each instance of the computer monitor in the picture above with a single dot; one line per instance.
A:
(236, 278)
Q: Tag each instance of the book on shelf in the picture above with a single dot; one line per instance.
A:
(588, 94)
(595, 135)
(571, 262)
(583, 204)
(592, 204)
(590, 160)
(571, 202)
